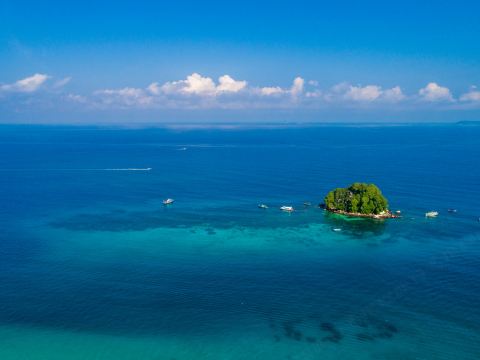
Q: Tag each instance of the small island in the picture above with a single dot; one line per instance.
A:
(358, 200)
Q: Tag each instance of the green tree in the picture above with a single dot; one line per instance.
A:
(357, 198)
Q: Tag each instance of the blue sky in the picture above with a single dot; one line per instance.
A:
(212, 61)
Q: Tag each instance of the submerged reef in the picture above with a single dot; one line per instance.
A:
(374, 328)
(301, 330)
(335, 335)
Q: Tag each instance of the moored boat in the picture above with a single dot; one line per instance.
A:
(262, 206)
(431, 214)
(287, 208)
(168, 201)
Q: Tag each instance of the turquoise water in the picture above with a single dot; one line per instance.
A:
(93, 266)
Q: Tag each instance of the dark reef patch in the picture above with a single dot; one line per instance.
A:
(335, 335)
(210, 231)
(375, 328)
(306, 330)
(291, 331)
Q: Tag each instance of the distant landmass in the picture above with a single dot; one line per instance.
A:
(469, 123)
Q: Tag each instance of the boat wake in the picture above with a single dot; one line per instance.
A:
(127, 169)
(83, 169)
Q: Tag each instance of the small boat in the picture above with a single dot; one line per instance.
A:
(398, 212)
(431, 214)
(337, 229)
(168, 201)
(307, 203)
(287, 208)
(452, 210)
(263, 206)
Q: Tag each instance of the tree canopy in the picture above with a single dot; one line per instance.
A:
(357, 198)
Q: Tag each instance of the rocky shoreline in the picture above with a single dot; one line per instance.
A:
(385, 215)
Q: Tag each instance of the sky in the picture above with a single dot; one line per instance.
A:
(155, 62)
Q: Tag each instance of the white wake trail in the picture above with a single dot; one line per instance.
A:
(82, 169)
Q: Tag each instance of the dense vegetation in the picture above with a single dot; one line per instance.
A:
(357, 198)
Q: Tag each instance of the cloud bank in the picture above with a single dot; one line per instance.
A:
(196, 91)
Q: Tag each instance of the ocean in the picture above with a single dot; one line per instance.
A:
(94, 266)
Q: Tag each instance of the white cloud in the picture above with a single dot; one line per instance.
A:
(297, 87)
(195, 84)
(76, 98)
(394, 94)
(336, 93)
(228, 84)
(434, 92)
(27, 85)
(154, 88)
(366, 93)
(62, 82)
(296, 90)
(314, 94)
(271, 90)
(342, 92)
(127, 96)
(472, 96)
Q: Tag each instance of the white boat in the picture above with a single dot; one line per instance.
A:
(287, 208)
(337, 229)
(263, 206)
(431, 214)
(398, 212)
(168, 201)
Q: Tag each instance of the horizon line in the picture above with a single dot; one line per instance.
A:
(235, 125)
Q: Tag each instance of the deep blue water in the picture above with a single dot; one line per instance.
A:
(91, 260)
